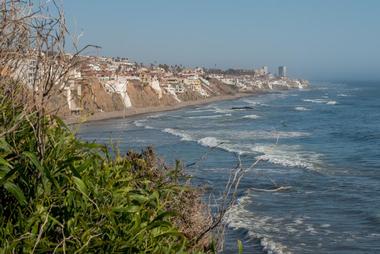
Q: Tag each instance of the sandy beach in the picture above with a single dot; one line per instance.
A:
(148, 110)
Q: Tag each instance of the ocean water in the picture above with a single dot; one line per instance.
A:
(322, 142)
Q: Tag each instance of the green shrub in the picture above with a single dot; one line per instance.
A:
(74, 197)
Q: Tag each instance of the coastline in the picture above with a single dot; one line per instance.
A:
(99, 116)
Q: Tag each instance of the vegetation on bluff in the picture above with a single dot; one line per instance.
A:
(77, 198)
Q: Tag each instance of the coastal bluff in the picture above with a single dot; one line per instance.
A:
(103, 87)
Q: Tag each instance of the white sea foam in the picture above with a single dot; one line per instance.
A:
(288, 156)
(208, 116)
(222, 110)
(271, 231)
(342, 95)
(272, 247)
(315, 100)
(258, 227)
(254, 103)
(236, 148)
(258, 134)
(321, 101)
(200, 110)
(285, 155)
(179, 133)
(301, 109)
(156, 115)
(140, 123)
(251, 102)
(251, 116)
(311, 229)
(290, 134)
(210, 141)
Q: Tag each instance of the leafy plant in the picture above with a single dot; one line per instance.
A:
(77, 198)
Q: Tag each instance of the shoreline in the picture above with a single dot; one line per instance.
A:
(132, 112)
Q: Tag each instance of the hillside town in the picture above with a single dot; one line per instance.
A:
(106, 84)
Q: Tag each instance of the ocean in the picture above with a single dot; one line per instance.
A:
(322, 142)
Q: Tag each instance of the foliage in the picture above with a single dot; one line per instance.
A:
(77, 198)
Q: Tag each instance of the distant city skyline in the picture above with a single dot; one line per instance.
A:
(315, 39)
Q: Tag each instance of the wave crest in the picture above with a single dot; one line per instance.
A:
(301, 109)
(251, 116)
(179, 133)
(238, 216)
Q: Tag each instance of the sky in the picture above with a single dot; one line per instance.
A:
(315, 39)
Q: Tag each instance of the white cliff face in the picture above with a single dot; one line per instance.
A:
(170, 90)
(71, 86)
(120, 86)
(125, 97)
(70, 98)
(155, 84)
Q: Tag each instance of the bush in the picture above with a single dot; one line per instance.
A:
(74, 197)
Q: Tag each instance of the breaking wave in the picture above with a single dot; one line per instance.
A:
(270, 230)
(284, 155)
(301, 109)
(200, 110)
(315, 100)
(254, 103)
(321, 101)
(257, 135)
(208, 116)
(141, 123)
(289, 156)
(210, 142)
(222, 110)
(251, 116)
(156, 115)
(258, 227)
(179, 133)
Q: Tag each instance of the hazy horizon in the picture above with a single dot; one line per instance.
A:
(319, 40)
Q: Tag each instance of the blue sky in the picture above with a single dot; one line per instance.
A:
(316, 39)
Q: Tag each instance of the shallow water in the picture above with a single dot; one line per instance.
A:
(323, 142)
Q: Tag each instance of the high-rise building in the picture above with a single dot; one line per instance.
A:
(282, 71)
(265, 70)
